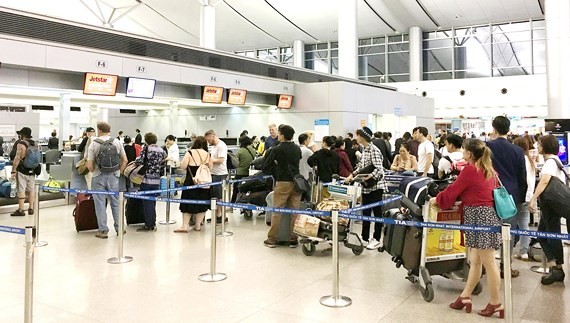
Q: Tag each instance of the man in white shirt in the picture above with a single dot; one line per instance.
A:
(425, 152)
(219, 153)
(173, 158)
(453, 145)
(304, 168)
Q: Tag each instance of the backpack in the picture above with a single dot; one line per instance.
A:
(203, 173)
(138, 149)
(33, 156)
(232, 161)
(108, 157)
(435, 163)
(456, 166)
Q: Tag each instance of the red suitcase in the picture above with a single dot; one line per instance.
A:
(84, 213)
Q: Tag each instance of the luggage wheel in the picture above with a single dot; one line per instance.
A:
(412, 278)
(247, 214)
(399, 263)
(357, 250)
(381, 249)
(427, 293)
(308, 249)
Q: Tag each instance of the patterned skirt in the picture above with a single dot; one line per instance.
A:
(483, 216)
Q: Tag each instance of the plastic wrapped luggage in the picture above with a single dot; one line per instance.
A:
(330, 204)
(415, 188)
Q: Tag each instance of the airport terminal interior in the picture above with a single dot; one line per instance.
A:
(367, 79)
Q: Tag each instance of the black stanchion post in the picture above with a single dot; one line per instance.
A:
(225, 198)
(506, 234)
(335, 300)
(121, 259)
(213, 276)
(29, 283)
(37, 242)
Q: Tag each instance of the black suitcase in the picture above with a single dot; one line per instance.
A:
(394, 235)
(412, 249)
(256, 185)
(134, 211)
(255, 198)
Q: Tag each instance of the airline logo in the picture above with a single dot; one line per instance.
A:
(285, 101)
(237, 97)
(100, 84)
(212, 94)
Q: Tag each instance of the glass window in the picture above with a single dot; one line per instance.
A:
(371, 50)
(399, 78)
(372, 65)
(438, 43)
(310, 47)
(438, 60)
(398, 47)
(539, 56)
(322, 46)
(378, 40)
(334, 45)
(438, 76)
(334, 66)
(365, 42)
(334, 53)
(398, 63)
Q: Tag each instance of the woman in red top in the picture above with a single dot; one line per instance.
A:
(474, 186)
(345, 165)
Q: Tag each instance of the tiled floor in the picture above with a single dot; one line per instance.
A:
(74, 282)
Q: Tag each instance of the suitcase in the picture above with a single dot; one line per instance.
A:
(255, 198)
(412, 249)
(5, 187)
(415, 188)
(84, 213)
(134, 211)
(394, 235)
(265, 184)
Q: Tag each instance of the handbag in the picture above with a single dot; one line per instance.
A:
(372, 181)
(203, 173)
(81, 167)
(134, 172)
(504, 202)
(557, 193)
(301, 185)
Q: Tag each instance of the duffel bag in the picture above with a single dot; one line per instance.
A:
(415, 188)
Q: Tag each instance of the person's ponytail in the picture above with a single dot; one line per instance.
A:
(485, 163)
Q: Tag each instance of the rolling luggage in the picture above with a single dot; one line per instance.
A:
(412, 249)
(5, 187)
(415, 188)
(134, 211)
(261, 184)
(255, 198)
(84, 213)
(394, 235)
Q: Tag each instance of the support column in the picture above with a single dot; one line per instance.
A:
(93, 112)
(102, 115)
(348, 38)
(416, 54)
(64, 118)
(173, 119)
(557, 17)
(298, 53)
(207, 25)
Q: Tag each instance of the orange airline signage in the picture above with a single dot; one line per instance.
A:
(100, 84)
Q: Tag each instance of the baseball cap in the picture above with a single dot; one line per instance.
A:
(90, 129)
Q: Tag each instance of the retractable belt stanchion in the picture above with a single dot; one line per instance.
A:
(213, 276)
(508, 304)
(29, 284)
(37, 242)
(225, 195)
(121, 259)
(168, 195)
(335, 300)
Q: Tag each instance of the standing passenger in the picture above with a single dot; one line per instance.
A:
(153, 158)
(272, 140)
(220, 169)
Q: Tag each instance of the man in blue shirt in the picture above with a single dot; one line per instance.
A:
(509, 163)
(272, 140)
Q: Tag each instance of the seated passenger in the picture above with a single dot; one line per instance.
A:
(404, 161)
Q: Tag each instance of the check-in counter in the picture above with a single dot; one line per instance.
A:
(67, 172)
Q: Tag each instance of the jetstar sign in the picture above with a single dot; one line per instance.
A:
(100, 84)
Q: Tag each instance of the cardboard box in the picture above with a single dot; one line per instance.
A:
(306, 225)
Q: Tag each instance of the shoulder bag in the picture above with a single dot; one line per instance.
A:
(203, 173)
(134, 172)
(301, 184)
(557, 193)
(504, 202)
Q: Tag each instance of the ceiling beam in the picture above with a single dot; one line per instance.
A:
(424, 9)
(292, 23)
(253, 24)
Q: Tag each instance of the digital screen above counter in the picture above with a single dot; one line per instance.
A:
(284, 101)
(140, 88)
(212, 94)
(236, 97)
(100, 84)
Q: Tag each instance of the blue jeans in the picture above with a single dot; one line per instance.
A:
(106, 182)
(514, 222)
(149, 207)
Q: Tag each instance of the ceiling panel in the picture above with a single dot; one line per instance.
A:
(370, 25)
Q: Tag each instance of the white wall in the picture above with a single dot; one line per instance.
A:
(21, 119)
(526, 96)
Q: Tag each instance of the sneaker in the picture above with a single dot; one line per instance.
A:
(18, 213)
(523, 257)
(30, 211)
(102, 235)
(556, 275)
(146, 229)
(373, 244)
(269, 244)
(364, 242)
(293, 244)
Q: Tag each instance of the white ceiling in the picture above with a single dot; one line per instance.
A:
(179, 21)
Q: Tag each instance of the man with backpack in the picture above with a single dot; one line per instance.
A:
(106, 159)
(452, 163)
(219, 152)
(26, 161)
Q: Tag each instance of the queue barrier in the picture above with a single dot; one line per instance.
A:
(14, 230)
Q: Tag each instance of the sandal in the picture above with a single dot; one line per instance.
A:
(181, 231)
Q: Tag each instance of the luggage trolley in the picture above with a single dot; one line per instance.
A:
(428, 252)
(351, 240)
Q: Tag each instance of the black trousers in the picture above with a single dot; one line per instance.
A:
(372, 197)
(550, 222)
(235, 190)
